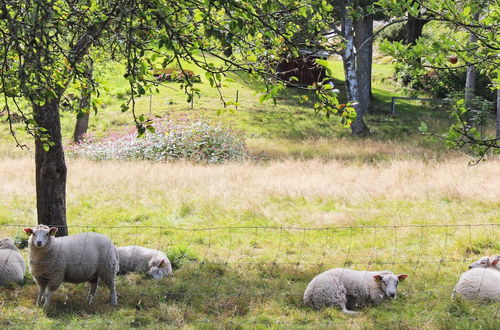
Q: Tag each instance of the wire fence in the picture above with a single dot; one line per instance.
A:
(252, 275)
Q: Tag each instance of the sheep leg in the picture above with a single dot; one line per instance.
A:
(41, 294)
(92, 290)
(48, 294)
(49, 291)
(41, 291)
(110, 283)
(345, 310)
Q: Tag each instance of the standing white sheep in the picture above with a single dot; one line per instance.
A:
(85, 257)
(12, 265)
(479, 283)
(140, 259)
(485, 262)
(350, 289)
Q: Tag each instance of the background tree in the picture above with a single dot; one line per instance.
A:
(474, 43)
(45, 46)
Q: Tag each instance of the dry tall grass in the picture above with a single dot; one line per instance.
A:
(249, 185)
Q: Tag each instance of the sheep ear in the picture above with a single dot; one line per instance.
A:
(402, 277)
(53, 230)
(495, 261)
(162, 263)
(28, 231)
(377, 278)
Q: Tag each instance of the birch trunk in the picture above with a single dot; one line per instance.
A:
(358, 127)
(363, 29)
(470, 80)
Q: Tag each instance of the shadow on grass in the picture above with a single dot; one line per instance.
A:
(216, 293)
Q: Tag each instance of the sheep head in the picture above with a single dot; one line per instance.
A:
(40, 235)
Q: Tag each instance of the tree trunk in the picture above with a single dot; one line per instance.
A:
(363, 29)
(50, 169)
(82, 120)
(358, 127)
(414, 27)
(470, 79)
(498, 113)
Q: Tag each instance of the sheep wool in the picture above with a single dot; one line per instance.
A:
(479, 284)
(140, 259)
(84, 257)
(349, 289)
(12, 266)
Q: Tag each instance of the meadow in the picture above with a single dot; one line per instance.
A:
(245, 238)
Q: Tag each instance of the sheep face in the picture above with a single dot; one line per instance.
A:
(388, 283)
(483, 263)
(157, 270)
(40, 235)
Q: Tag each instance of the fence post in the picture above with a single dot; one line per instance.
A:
(393, 106)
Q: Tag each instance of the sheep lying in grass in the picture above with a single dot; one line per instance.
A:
(85, 257)
(12, 265)
(479, 283)
(485, 262)
(140, 259)
(350, 289)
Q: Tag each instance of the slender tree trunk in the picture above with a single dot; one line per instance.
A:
(82, 119)
(358, 127)
(498, 113)
(50, 169)
(414, 27)
(470, 79)
(363, 29)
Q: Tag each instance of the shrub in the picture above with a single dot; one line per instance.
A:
(441, 83)
(198, 141)
(180, 256)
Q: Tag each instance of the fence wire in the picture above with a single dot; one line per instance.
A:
(228, 276)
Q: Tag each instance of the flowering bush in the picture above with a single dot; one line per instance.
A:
(199, 141)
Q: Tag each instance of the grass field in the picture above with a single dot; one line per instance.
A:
(246, 238)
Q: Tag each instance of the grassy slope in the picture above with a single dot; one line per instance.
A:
(317, 177)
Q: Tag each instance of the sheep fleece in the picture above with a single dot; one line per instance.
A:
(343, 286)
(137, 259)
(75, 259)
(12, 265)
(480, 284)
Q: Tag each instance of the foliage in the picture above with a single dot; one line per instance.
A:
(468, 18)
(440, 83)
(198, 141)
(395, 32)
(466, 132)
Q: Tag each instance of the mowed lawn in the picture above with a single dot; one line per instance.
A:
(246, 238)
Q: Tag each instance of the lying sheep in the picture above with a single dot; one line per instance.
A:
(140, 259)
(85, 257)
(485, 262)
(479, 284)
(12, 265)
(350, 289)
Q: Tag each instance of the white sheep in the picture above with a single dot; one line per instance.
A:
(479, 284)
(84, 257)
(350, 289)
(12, 265)
(140, 259)
(485, 262)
